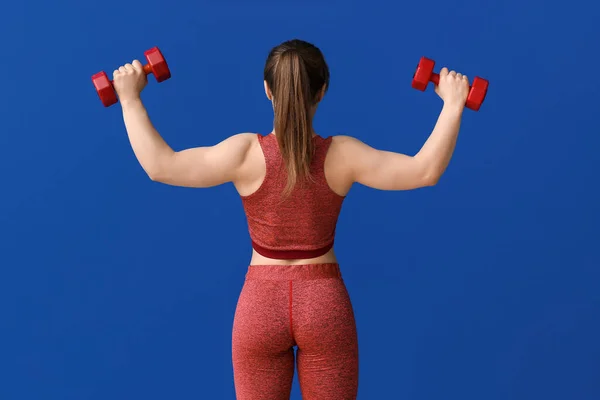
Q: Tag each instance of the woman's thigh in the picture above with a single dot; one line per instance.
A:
(325, 332)
(262, 346)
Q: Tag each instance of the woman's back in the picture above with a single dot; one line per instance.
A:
(340, 162)
(295, 227)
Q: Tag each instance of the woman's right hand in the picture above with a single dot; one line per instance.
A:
(453, 87)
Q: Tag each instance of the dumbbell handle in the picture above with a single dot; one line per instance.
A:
(435, 78)
(147, 70)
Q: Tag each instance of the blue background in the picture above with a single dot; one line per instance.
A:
(482, 287)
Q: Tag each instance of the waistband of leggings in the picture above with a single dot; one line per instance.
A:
(293, 272)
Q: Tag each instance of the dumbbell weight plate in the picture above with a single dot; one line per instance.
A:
(104, 88)
(423, 74)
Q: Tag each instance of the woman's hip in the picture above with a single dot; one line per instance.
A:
(302, 272)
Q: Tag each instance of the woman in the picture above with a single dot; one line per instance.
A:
(292, 183)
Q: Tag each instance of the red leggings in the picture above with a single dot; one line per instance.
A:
(306, 306)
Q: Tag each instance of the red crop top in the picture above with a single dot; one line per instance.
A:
(301, 226)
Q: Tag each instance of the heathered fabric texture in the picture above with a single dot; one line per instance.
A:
(301, 226)
(306, 306)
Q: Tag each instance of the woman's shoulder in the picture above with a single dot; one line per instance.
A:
(339, 148)
(243, 140)
(244, 137)
(347, 149)
(344, 141)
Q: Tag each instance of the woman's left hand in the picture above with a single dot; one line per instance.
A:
(129, 81)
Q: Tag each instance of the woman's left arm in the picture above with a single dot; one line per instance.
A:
(199, 167)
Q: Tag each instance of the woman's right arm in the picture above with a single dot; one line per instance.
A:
(386, 170)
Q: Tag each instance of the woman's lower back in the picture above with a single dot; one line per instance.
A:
(327, 258)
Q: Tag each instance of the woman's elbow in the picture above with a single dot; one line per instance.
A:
(154, 178)
(155, 174)
(160, 170)
(431, 179)
(426, 172)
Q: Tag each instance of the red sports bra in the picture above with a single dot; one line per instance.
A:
(300, 226)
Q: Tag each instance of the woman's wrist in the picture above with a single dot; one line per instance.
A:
(131, 102)
(454, 106)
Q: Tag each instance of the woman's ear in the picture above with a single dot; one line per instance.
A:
(268, 92)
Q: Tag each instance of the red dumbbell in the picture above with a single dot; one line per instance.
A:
(425, 74)
(157, 65)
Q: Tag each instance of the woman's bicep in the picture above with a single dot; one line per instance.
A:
(385, 170)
